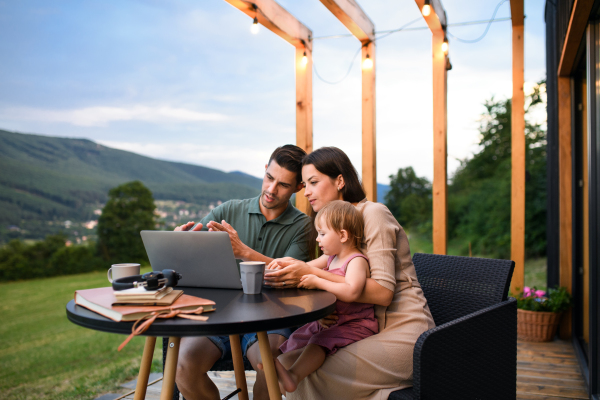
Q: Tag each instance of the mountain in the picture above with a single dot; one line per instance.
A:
(49, 178)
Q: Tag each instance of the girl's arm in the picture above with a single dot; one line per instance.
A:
(349, 289)
(293, 270)
(320, 262)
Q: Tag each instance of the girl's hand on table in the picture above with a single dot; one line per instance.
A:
(288, 276)
(329, 320)
(308, 282)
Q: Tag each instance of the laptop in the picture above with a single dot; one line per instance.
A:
(204, 259)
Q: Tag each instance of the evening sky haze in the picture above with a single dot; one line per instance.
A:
(186, 80)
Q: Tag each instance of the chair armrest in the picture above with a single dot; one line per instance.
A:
(472, 357)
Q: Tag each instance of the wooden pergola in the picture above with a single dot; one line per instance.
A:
(270, 14)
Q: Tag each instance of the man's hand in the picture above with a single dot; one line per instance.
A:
(309, 281)
(188, 226)
(240, 250)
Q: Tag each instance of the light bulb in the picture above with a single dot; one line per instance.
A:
(304, 60)
(254, 27)
(426, 10)
(367, 63)
(445, 46)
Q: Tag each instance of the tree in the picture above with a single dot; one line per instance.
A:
(409, 199)
(479, 194)
(479, 200)
(129, 210)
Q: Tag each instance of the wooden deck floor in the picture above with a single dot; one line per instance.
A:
(545, 371)
(548, 371)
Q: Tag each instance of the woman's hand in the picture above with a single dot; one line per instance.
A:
(329, 320)
(279, 263)
(287, 276)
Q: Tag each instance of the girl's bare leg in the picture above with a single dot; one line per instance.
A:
(311, 358)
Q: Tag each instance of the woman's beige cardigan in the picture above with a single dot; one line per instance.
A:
(378, 365)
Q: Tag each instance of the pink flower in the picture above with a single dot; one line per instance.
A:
(527, 291)
(540, 293)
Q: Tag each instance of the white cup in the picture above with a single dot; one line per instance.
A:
(122, 270)
(253, 274)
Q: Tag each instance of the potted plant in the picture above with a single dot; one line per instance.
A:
(539, 312)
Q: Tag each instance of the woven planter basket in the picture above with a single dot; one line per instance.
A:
(537, 326)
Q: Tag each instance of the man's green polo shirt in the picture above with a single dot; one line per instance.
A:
(284, 236)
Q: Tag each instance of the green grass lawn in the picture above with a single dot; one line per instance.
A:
(44, 356)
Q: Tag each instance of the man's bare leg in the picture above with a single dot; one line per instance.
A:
(197, 355)
(260, 391)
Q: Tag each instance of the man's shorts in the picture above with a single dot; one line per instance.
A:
(247, 340)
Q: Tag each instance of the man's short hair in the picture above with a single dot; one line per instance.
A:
(289, 157)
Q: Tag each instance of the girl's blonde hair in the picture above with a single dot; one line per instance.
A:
(339, 215)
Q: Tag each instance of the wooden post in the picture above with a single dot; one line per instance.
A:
(565, 181)
(369, 142)
(349, 13)
(279, 21)
(304, 111)
(440, 147)
(436, 21)
(517, 226)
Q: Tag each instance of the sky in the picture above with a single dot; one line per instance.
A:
(186, 80)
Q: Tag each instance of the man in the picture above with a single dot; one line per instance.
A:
(260, 229)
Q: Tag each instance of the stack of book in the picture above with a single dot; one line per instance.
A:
(164, 296)
(132, 306)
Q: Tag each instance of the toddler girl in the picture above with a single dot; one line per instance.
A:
(340, 229)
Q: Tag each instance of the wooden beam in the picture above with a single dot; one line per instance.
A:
(436, 21)
(304, 112)
(565, 181)
(277, 19)
(517, 225)
(517, 12)
(369, 142)
(353, 17)
(577, 25)
(440, 146)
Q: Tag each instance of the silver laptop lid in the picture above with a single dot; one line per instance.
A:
(204, 259)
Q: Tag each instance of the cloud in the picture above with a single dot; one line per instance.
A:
(102, 116)
(223, 157)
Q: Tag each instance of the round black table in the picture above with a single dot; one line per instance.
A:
(235, 313)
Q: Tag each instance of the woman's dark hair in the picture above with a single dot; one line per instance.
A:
(333, 162)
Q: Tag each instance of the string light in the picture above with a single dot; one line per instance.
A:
(254, 27)
(304, 60)
(367, 63)
(445, 45)
(426, 10)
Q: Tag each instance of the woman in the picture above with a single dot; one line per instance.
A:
(378, 365)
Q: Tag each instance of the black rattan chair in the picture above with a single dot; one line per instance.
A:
(472, 351)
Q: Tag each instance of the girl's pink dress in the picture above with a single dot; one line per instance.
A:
(356, 321)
